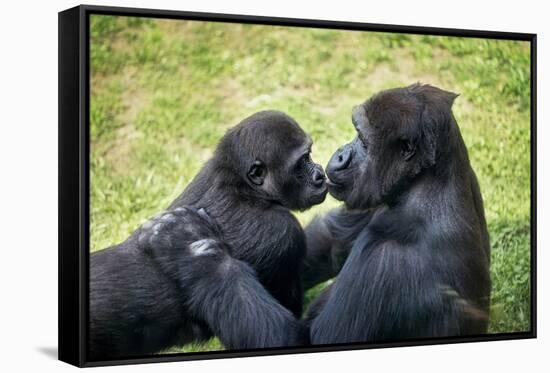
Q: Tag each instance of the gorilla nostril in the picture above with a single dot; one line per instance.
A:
(341, 160)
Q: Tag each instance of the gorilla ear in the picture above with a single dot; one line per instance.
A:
(256, 173)
(359, 117)
(436, 120)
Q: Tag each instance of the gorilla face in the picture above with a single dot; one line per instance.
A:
(400, 133)
(304, 184)
(271, 153)
(345, 170)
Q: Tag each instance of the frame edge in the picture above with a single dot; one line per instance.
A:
(72, 110)
(69, 247)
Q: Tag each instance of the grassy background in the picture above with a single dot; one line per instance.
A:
(164, 91)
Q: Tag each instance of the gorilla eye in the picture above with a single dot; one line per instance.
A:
(407, 148)
(303, 163)
(257, 172)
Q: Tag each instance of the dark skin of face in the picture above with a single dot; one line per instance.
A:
(308, 178)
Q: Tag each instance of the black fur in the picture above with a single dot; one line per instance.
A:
(419, 260)
(256, 221)
(152, 292)
(329, 240)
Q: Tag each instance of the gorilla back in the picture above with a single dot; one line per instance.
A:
(419, 263)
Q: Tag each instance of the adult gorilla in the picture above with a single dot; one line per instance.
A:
(414, 220)
(181, 277)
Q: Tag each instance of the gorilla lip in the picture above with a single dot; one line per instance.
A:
(320, 197)
(336, 189)
(333, 184)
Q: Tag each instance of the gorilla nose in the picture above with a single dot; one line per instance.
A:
(318, 178)
(340, 160)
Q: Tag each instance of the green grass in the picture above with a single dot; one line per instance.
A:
(165, 91)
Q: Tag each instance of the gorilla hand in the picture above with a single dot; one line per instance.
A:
(183, 228)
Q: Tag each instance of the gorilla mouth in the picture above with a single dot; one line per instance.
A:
(319, 197)
(337, 190)
(334, 185)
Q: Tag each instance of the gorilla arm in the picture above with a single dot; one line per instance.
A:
(219, 290)
(329, 240)
(235, 306)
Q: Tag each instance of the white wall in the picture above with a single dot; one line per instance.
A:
(28, 183)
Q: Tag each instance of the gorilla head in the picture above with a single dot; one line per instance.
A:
(268, 155)
(401, 133)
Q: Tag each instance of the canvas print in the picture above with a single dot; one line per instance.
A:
(262, 187)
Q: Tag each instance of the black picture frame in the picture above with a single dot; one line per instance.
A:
(74, 95)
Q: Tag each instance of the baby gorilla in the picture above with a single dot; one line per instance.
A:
(181, 277)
